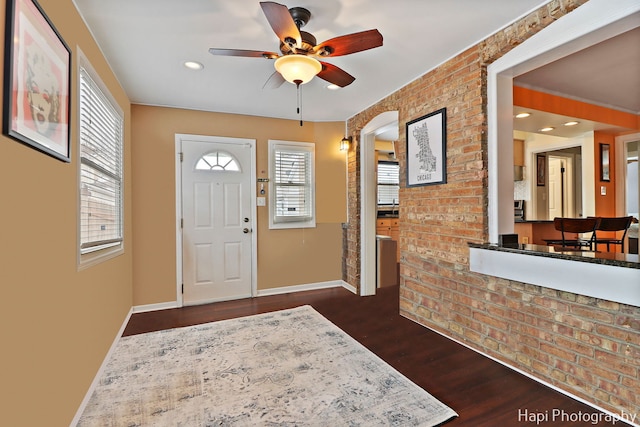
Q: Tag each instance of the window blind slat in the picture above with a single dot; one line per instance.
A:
(293, 184)
(101, 223)
(388, 183)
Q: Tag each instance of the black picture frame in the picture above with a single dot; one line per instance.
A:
(605, 163)
(427, 149)
(37, 81)
(541, 170)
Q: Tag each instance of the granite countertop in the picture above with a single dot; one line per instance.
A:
(607, 258)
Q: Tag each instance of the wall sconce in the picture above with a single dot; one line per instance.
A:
(344, 144)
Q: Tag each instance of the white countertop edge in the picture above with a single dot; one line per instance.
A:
(602, 281)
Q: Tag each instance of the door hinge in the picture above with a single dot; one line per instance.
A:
(183, 288)
(181, 222)
(181, 157)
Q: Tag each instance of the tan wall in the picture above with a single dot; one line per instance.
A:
(57, 322)
(586, 346)
(285, 257)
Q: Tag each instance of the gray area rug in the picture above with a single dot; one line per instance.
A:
(287, 368)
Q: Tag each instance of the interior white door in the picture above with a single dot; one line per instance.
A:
(556, 190)
(217, 225)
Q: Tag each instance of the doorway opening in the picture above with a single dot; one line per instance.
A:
(368, 199)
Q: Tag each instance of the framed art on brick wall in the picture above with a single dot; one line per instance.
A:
(36, 81)
(427, 149)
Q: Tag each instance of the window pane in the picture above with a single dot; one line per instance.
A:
(388, 173)
(292, 202)
(218, 160)
(388, 194)
(388, 183)
(293, 181)
(100, 206)
(292, 184)
(292, 167)
(100, 168)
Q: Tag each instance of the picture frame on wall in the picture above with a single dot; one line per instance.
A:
(604, 163)
(427, 149)
(37, 65)
(541, 170)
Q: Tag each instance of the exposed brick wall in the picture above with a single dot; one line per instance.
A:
(586, 346)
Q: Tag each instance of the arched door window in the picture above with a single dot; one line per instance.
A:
(218, 161)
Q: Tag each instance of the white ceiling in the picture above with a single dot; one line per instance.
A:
(147, 41)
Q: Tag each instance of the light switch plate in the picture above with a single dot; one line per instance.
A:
(262, 201)
(603, 190)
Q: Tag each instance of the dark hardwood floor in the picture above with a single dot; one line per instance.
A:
(481, 391)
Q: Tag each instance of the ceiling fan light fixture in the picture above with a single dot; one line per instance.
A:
(298, 68)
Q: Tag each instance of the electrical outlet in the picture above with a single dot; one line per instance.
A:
(525, 239)
(262, 201)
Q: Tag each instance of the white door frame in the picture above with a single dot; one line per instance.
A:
(368, 199)
(178, 173)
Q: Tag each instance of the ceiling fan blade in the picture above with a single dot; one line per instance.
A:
(282, 23)
(274, 81)
(350, 43)
(335, 75)
(243, 53)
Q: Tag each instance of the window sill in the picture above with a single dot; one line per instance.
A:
(93, 258)
(613, 277)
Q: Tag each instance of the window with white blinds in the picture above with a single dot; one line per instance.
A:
(101, 128)
(388, 183)
(292, 179)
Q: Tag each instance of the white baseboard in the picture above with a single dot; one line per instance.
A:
(300, 288)
(273, 291)
(632, 418)
(349, 287)
(98, 375)
(155, 307)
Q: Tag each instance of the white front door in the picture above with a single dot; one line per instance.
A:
(217, 219)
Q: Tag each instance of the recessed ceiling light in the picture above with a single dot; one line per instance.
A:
(193, 65)
(572, 123)
(333, 87)
(547, 129)
(522, 115)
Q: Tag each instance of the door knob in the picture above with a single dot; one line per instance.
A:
(245, 230)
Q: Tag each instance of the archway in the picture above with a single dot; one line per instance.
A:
(368, 199)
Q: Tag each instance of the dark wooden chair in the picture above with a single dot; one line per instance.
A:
(571, 228)
(616, 224)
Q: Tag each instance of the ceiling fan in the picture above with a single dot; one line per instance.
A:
(298, 62)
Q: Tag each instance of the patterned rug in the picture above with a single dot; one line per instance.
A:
(287, 368)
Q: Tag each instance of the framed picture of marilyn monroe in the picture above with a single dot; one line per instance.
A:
(37, 80)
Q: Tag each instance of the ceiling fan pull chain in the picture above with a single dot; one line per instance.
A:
(299, 90)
